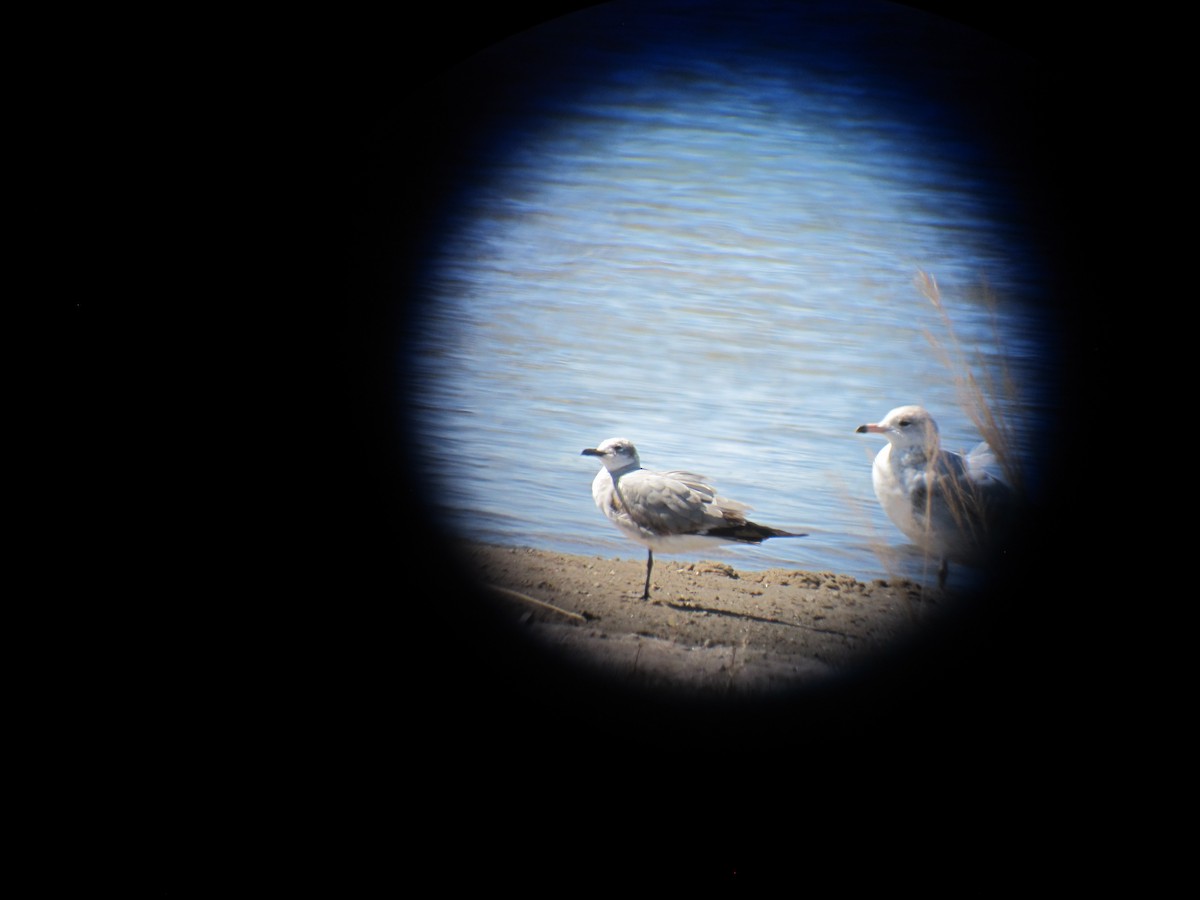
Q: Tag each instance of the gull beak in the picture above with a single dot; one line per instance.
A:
(591, 451)
(869, 429)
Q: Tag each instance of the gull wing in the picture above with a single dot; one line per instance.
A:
(663, 504)
(963, 499)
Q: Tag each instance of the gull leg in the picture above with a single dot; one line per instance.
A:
(649, 566)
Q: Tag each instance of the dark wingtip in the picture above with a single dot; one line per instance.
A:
(749, 533)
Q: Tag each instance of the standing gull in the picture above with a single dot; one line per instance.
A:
(946, 503)
(671, 512)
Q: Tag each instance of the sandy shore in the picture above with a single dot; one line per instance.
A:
(708, 628)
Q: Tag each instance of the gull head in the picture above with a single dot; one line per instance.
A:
(615, 453)
(906, 427)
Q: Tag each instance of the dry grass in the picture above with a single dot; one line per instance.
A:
(977, 385)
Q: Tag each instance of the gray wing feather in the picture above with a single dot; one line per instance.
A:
(962, 499)
(700, 485)
(677, 503)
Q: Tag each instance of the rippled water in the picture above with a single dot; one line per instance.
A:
(709, 247)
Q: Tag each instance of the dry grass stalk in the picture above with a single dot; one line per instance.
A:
(976, 393)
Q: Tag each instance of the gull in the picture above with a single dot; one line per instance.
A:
(671, 512)
(947, 503)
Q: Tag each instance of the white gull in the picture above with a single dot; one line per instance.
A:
(952, 506)
(671, 512)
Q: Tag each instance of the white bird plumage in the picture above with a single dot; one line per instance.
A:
(672, 512)
(953, 506)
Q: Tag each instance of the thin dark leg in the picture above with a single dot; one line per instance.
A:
(649, 566)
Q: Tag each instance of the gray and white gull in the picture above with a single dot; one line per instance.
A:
(671, 512)
(953, 506)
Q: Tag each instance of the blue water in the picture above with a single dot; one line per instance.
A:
(708, 245)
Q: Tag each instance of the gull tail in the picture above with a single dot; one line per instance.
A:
(749, 533)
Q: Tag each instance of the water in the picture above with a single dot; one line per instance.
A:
(708, 246)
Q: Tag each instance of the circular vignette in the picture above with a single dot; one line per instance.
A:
(467, 114)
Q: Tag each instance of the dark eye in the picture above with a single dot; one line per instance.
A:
(904, 423)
